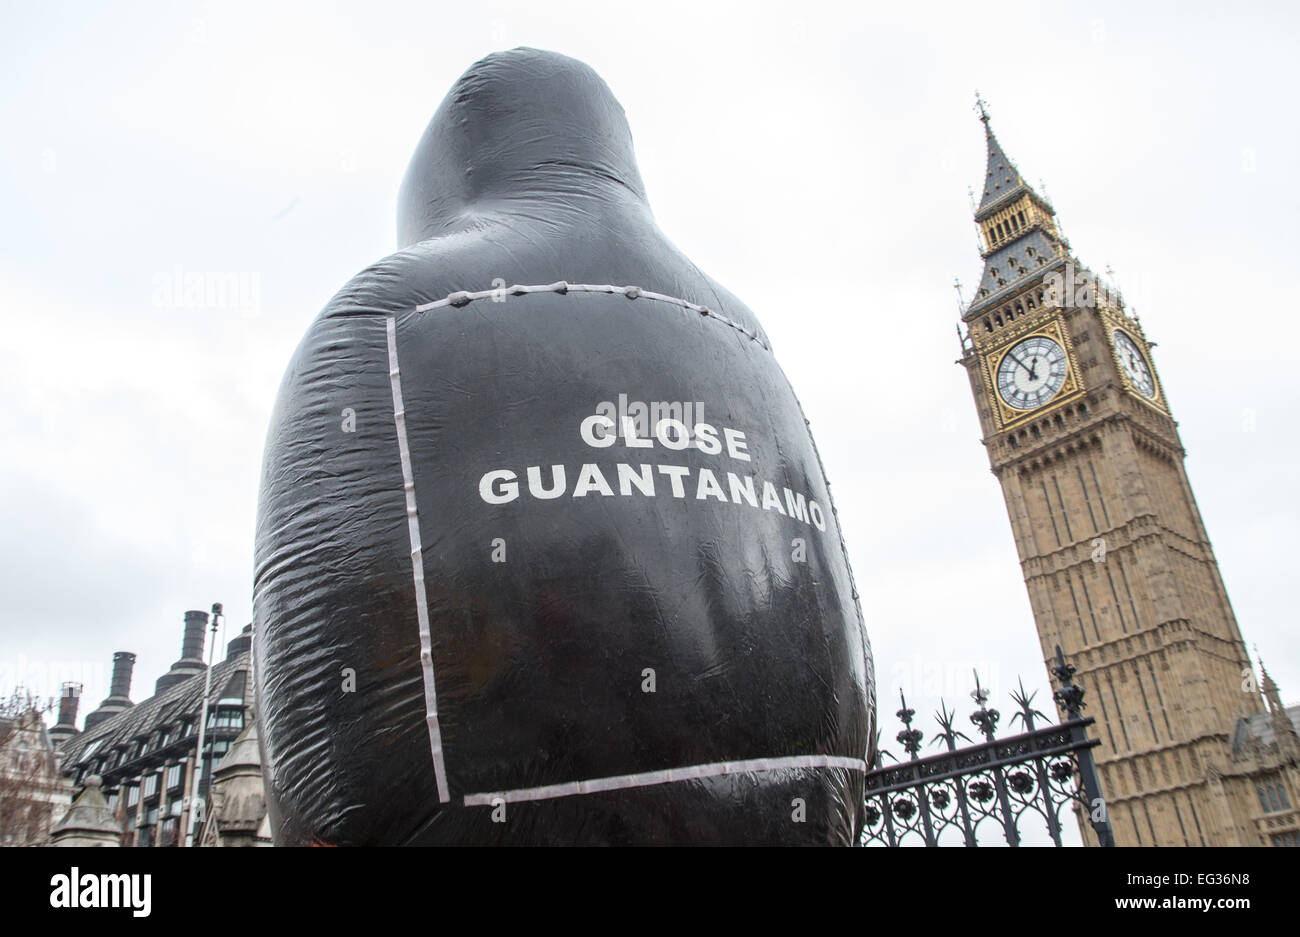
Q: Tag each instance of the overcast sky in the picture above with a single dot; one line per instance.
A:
(788, 149)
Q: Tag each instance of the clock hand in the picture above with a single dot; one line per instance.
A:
(1031, 368)
(1013, 357)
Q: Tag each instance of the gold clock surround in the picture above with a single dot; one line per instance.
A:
(1114, 324)
(1071, 388)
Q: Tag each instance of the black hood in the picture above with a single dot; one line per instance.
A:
(518, 126)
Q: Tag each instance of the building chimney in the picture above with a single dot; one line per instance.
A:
(191, 661)
(192, 645)
(66, 727)
(240, 643)
(119, 694)
(68, 703)
(123, 667)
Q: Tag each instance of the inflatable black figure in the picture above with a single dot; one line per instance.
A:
(545, 553)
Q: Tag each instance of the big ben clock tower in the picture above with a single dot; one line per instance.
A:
(1116, 560)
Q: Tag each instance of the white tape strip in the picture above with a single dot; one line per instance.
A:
(417, 567)
(464, 298)
(651, 778)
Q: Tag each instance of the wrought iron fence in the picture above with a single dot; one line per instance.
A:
(996, 783)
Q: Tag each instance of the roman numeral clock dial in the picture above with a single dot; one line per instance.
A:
(1134, 364)
(1031, 372)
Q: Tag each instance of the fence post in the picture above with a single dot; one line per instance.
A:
(1070, 698)
(910, 739)
(949, 735)
(987, 720)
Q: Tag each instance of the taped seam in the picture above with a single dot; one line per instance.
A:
(868, 659)
(417, 568)
(669, 776)
(499, 294)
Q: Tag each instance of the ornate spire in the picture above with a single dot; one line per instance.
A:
(1270, 690)
(1019, 240)
(1001, 176)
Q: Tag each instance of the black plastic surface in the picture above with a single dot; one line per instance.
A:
(579, 637)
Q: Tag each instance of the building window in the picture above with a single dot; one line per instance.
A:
(132, 795)
(94, 746)
(1272, 796)
(226, 717)
(151, 784)
(1286, 839)
(173, 777)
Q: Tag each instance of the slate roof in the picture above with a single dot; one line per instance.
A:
(168, 708)
(1001, 179)
(1007, 261)
(1034, 250)
(1260, 726)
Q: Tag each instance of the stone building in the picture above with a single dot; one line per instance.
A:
(1265, 755)
(33, 795)
(140, 757)
(1117, 562)
(238, 814)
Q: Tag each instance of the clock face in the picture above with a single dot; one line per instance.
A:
(1032, 372)
(1134, 364)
